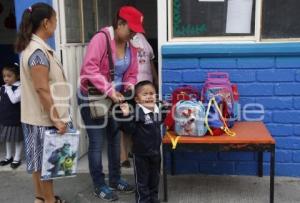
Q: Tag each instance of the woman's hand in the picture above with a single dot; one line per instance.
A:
(117, 97)
(124, 108)
(61, 126)
(130, 87)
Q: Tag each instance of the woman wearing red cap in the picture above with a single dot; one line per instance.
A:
(95, 70)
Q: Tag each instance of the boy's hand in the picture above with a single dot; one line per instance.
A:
(125, 108)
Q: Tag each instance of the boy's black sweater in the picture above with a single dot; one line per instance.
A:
(145, 131)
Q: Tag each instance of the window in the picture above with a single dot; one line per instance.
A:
(222, 20)
(84, 17)
(73, 21)
(89, 19)
(281, 19)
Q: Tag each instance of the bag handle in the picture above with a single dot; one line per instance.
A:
(218, 75)
(225, 128)
(111, 63)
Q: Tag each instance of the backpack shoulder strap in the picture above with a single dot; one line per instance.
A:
(109, 53)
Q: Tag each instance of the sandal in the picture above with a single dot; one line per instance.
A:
(59, 200)
(40, 198)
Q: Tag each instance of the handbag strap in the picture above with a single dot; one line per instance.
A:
(111, 63)
(225, 128)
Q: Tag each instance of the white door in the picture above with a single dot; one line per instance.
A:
(71, 48)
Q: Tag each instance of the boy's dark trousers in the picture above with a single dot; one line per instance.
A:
(147, 174)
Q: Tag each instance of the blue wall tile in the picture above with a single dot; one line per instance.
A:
(287, 169)
(298, 75)
(171, 76)
(218, 63)
(280, 130)
(193, 76)
(288, 143)
(237, 76)
(286, 116)
(297, 102)
(287, 89)
(233, 156)
(246, 168)
(297, 130)
(184, 167)
(191, 63)
(296, 156)
(284, 156)
(275, 75)
(288, 62)
(219, 168)
(275, 102)
(256, 89)
(259, 63)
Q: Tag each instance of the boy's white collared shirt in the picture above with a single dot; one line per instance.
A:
(146, 111)
(148, 119)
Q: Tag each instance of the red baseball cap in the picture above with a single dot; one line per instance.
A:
(133, 17)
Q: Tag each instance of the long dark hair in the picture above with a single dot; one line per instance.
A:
(31, 21)
(118, 20)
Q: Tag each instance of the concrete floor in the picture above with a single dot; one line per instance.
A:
(16, 187)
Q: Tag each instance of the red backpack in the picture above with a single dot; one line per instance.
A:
(180, 93)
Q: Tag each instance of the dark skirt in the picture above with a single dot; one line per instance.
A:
(11, 134)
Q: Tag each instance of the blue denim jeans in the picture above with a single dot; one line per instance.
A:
(96, 135)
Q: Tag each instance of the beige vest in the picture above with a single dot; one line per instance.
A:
(32, 111)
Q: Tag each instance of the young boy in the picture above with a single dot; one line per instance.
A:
(144, 126)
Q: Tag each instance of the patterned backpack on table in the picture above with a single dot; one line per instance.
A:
(189, 118)
(218, 96)
(184, 93)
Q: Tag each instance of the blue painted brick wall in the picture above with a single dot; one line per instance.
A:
(266, 74)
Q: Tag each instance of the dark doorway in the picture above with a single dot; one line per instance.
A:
(7, 34)
(149, 9)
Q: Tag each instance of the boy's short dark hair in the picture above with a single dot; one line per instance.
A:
(140, 84)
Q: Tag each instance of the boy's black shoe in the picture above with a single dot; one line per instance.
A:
(15, 164)
(130, 155)
(126, 164)
(5, 161)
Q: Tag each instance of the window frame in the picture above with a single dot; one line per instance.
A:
(255, 38)
(59, 4)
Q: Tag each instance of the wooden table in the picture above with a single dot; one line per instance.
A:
(250, 136)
